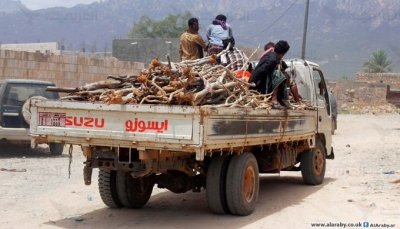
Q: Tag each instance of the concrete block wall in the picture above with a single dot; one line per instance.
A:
(63, 70)
(51, 47)
(144, 50)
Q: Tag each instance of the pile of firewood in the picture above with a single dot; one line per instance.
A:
(192, 82)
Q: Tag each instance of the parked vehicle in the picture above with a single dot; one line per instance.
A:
(333, 102)
(183, 148)
(15, 96)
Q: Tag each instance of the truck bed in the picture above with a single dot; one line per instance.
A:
(165, 127)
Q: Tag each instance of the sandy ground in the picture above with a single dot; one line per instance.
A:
(362, 184)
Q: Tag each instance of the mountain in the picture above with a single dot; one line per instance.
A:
(8, 6)
(341, 34)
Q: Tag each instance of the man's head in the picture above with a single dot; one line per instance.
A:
(221, 17)
(269, 45)
(281, 48)
(228, 40)
(194, 24)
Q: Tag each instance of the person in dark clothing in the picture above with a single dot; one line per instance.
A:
(264, 75)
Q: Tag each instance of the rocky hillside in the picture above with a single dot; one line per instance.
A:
(341, 33)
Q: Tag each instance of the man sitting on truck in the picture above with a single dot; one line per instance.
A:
(291, 83)
(265, 77)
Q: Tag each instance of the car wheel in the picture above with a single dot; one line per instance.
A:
(56, 148)
(26, 108)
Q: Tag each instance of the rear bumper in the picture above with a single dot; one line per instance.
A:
(15, 134)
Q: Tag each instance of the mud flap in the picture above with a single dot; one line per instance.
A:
(87, 174)
(331, 156)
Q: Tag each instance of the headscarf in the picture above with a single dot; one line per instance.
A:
(267, 51)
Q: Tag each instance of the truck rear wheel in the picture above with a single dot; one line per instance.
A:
(121, 188)
(134, 192)
(216, 183)
(313, 164)
(139, 190)
(242, 184)
(108, 188)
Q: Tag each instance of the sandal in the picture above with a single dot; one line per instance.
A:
(276, 105)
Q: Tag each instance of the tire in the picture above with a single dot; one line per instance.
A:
(138, 190)
(242, 184)
(26, 108)
(56, 148)
(108, 188)
(122, 188)
(313, 164)
(216, 183)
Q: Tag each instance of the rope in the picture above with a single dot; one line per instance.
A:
(284, 126)
(70, 161)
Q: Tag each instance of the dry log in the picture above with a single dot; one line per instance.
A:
(199, 82)
(100, 84)
(62, 89)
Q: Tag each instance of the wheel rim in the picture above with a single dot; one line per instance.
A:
(249, 184)
(318, 162)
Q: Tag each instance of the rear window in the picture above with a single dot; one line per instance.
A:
(17, 94)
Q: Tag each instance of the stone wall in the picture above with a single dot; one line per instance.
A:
(392, 79)
(358, 93)
(63, 70)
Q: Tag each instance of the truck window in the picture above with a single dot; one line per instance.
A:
(321, 91)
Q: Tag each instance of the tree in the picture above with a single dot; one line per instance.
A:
(171, 27)
(344, 78)
(379, 63)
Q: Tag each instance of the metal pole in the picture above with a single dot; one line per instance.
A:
(303, 47)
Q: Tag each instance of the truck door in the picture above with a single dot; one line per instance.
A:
(324, 118)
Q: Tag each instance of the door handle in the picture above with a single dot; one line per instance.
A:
(319, 118)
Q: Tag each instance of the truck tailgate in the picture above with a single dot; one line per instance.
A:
(110, 125)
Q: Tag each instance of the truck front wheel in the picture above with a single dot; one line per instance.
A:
(215, 184)
(313, 164)
(108, 188)
(242, 184)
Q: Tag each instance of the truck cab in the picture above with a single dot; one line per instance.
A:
(311, 85)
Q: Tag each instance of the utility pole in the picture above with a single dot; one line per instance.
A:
(303, 47)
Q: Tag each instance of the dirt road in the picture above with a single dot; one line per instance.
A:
(361, 185)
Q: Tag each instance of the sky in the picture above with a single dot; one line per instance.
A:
(42, 4)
